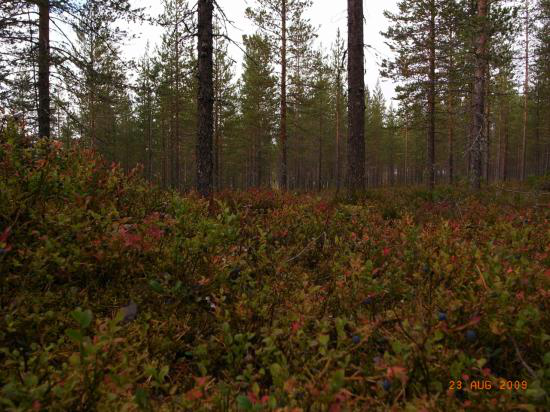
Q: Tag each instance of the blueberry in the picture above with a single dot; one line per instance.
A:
(461, 395)
(2, 251)
(356, 339)
(367, 301)
(471, 335)
(442, 316)
(386, 384)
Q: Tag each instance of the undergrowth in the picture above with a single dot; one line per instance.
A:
(263, 300)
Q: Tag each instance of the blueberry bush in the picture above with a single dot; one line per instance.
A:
(401, 299)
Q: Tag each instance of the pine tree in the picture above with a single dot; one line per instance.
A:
(415, 36)
(541, 74)
(337, 68)
(147, 110)
(176, 61)
(205, 100)
(356, 98)
(258, 105)
(225, 101)
(98, 81)
(282, 22)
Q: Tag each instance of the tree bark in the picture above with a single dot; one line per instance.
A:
(284, 160)
(320, 153)
(356, 98)
(487, 128)
(44, 69)
(205, 98)
(406, 151)
(176, 154)
(525, 96)
(338, 167)
(431, 101)
(479, 97)
(451, 139)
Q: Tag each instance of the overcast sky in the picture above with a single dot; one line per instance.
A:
(326, 15)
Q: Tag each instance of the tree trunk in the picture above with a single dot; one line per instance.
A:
(431, 101)
(525, 96)
(505, 171)
(487, 129)
(205, 98)
(177, 167)
(338, 167)
(356, 98)
(149, 138)
(450, 160)
(479, 97)
(217, 123)
(320, 154)
(406, 151)
(284, 160)
(44, 68)
(538, 145)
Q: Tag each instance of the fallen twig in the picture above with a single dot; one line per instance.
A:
(529, 369)
(304, 249)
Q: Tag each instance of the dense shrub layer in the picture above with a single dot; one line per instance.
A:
(264, 300)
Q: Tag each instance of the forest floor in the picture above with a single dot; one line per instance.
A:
(400, 300)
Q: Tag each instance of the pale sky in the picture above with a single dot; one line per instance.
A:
(326, 15)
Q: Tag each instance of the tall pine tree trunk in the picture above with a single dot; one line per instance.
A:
(338, 135)
(149, 138)
(450, 159)
(177, 150)
(479, 97)
(538, 145)
(525, 97)
(406, 151)
(320, 153)
(431, 101)
(44, 68)
(284, 160)
(450, 115)
(487, 134)
(205, 98)
(356, 98)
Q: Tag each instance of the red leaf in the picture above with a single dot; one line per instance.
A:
(335, 407)
(155, 232)
(129, 239)
(193, 394)
(201, 381)
(253, 398)
(5, 234)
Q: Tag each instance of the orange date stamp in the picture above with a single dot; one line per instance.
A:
(486, 385)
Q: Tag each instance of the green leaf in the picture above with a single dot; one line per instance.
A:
(276, 373)
(337, 380)
(142, 399)
(438, 336)
(244, 403)
(74, 334)
(163, 372)
(156, 286)
(177, 287)
(84, 319)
